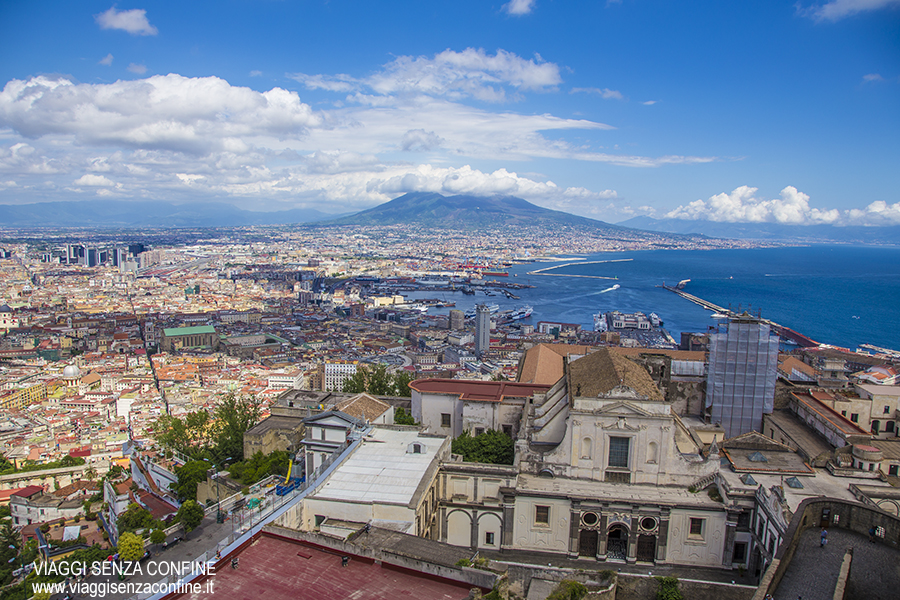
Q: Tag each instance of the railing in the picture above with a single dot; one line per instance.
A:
(258, 516)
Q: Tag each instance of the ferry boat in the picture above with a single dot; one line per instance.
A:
(470, 314)
(521, 313)
(600, 323)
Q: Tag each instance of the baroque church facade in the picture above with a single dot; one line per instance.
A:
(604, 470)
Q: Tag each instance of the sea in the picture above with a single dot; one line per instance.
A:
(839, 295)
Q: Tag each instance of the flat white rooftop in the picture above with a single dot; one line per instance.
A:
(382, 469)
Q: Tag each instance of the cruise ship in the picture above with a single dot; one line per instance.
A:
(470, 314)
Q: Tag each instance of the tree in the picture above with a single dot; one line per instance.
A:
(668, 589)
(356, 383)
(190, 515)
(401, 417)
(90, 473)
(492, 447)
(134, 518)
(402, 380)
(189, 475)
(157, 536)
(189, 436)
(131, 546)
(233, 417)
(260, 466)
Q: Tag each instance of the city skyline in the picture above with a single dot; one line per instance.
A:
(761, 112)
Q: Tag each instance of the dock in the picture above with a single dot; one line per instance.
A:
(782, 331)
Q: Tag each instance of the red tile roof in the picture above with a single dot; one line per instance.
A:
(483, 391)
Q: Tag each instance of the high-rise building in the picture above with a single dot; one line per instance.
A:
(457, 320)
(740, 384)
(482, 330)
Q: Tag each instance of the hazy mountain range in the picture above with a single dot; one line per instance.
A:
(770, 231)
(146, 213)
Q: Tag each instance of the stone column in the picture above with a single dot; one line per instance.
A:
(602, 538)
(728, 548)
(442, 524)
(631, 553)
(662, 538)
(574, 523)
(473, 537)
(508, 525)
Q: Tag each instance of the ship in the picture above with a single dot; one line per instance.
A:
(655, 320)
(521, 313)
(470, 314)
(600, 323)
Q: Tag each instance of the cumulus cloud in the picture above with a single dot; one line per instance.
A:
(742, 206)
(106, 60)
(604, 93)
(876, 213)
(841, 9)
(201, 114)
(419, 140)
(94, 180)
(133, 21)
(136, 68)
(519, 7)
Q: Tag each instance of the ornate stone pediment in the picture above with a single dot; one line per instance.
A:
(622, 424)
(625, 409)
(622, 391)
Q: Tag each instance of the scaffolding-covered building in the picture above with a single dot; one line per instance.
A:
(740, 385)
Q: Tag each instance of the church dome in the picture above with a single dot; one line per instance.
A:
(71, 372)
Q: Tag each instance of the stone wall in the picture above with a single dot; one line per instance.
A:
(642, 587)
(848, 515)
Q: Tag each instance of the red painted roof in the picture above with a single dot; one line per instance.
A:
(484, 391)
(28, 491)
(281, 569)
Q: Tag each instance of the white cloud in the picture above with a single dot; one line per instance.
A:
(419, 140)
(472, 73)
(255, 73)
(106, 60)
(876, 213)
(840, 9)
(742, 206)
(872, 77)
(604, 93)
(519, 7)
(136, 68)
(649, 102)
(94, 180)
(133, 21)
(171, 112)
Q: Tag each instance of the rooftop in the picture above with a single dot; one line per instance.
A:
(483, 391)
(288, 570)
(382, 470)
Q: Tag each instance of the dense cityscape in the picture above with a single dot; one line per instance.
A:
(116, 344)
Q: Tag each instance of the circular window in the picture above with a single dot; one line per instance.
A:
(648, 523)
(590, 519)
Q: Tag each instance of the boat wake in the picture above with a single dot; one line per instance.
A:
(610, 289)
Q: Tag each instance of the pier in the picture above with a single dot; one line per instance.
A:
(783, 332)
(592, 262)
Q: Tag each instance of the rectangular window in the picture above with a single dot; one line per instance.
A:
(854, 417)
(445, 419)
(618, 452)
(489, 538)
(892, 470)
(541, 515)
(887, 410)
(696, 527)
(479, 431)
(740, 552)
(507, 429)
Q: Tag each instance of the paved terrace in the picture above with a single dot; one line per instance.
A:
(813, 572)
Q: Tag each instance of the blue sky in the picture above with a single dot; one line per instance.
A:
(730, 111)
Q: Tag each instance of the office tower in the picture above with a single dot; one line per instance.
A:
(457, 320)
(740, 384)
(482, 330)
